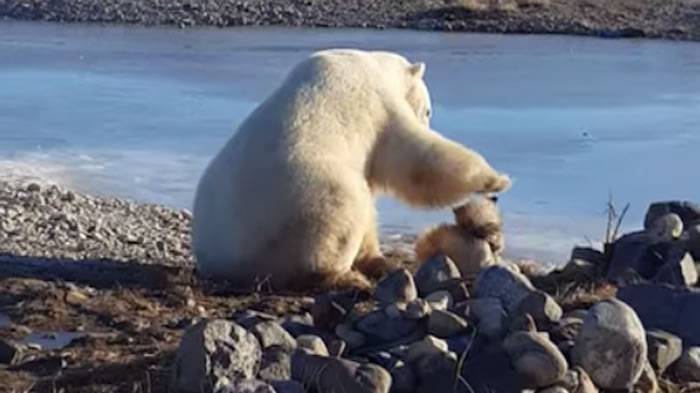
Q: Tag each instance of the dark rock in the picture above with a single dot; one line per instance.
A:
(336, 348)
(538, 361)
(489, 370)
(679, 271)
(329, 309)
(611, 346)
(694, 241)
(10, 352)
(687, 211)
(687, 368)
(438, 373)
(666, 228)
(587, 254)
(439, 300)
(543, 308)
(287, 387)
(397, 287)
(417, 309)
(503, 283)
(379, 327)
(522, 323)
(212, 350)
(489, 315)
(667, 308)
(250, 318)
(350, 336)
(435, 274)
(445, 324)
(276, 364)
(663, 349)
(404, 380)
(298, 325)
(272, 334)
(333, 375)
(633, 251)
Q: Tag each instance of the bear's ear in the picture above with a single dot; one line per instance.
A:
(417, 70)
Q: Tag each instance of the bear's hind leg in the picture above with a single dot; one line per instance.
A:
(370, 260)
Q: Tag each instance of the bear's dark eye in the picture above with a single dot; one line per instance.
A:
(428, 112)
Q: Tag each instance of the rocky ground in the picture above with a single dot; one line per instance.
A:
(675, 19)
(99, 295)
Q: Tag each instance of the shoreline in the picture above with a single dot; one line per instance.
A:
(653, 19)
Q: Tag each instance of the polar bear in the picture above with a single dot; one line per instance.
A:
(290, 199)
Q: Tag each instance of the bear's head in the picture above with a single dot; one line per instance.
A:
(417, 96)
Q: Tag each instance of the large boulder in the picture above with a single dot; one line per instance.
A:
(612, 345)
(668, 308)
(211, 350)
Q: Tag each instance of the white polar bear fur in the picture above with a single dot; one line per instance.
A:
(291, 197)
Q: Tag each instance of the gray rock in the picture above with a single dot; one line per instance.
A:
(298, 325)
(313, 343)
(538, 361)
(666, 308)
(245, 386)
(489, 370)
(10, 351)
(687, 211)
(271, 333)
(435, 274)
(333, 375)
(663, 349)
(553, 389)
(679, 271)
(211, 350)
(417, 309)
(612, 345)
(589, 255)
(445, 324)
(276, 364)
(287, 387)
(666, 228)
(350, 336)
(489, 315)
(505, 284)
(396, 287)
(439, 300)
(542, 307)
(379, 327)
(426, 347)
(687, 368)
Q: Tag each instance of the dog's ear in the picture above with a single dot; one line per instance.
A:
(458, 211)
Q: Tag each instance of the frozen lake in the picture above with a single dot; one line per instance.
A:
(138, 112)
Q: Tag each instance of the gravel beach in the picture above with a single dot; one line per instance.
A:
(673, 19)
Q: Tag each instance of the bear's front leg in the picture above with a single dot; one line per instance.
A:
(426, 169)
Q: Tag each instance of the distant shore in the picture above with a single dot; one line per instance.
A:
(672, 19)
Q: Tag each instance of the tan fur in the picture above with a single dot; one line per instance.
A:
(469, 253)
(472, 243)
